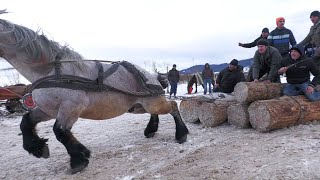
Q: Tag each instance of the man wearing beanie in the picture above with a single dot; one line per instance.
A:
(298, 68)
(314, 37)
(281, 38)
(264, 35)
(229, 77)
(265, 61)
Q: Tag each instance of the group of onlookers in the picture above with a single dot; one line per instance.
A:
(277, 53)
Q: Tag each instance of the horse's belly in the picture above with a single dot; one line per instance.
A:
(90, 105)
(107, 105)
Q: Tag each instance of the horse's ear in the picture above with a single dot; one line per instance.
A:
(3, 11)
(162, 78)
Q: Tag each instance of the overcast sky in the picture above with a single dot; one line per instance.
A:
(184, 32)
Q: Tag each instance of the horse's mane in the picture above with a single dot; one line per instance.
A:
(36, 46)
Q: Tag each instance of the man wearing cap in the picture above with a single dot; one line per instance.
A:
(173, 77)
(298, 68)
(265, 61)
(314, 36)
(229, 77)
(264, 35)
(281, 38)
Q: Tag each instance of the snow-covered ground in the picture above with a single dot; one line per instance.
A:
(120, 151)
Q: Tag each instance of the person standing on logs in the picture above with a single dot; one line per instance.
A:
(266, 60)
(314, 37)
(173, 77)
(229, 77)
(298, 68)
(207, 75)
(281, 38)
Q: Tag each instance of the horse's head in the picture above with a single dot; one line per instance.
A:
(30, 52)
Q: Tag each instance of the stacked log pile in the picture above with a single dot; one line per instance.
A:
(208, 110)
(246, 93)
(257, 105)
(283, 112)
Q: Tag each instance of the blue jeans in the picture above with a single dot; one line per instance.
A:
(299, 89)
(205, 82)
(173, 89)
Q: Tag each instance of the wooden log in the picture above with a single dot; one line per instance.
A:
(267, 115)
(215, 113)
(252, 91)
(189, 110)
(238, 115)
(190, 106)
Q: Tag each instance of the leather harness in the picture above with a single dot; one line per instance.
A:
(59, 80)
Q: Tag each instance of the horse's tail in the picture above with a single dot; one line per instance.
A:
(162, 78)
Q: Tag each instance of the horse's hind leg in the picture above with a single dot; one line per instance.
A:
(161, 106)
(181, 128)
(79, 154)
(152, 126)
(31, 141)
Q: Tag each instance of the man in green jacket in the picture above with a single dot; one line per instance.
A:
(314, 36)
(266, 61)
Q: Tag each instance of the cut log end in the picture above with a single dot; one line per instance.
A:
(259, 116)
(241, 92)
(189, 111)
(238, 115)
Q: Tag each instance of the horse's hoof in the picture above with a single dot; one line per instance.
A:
(79, 165)
(182, 139)
(150, 135)
(45, 151)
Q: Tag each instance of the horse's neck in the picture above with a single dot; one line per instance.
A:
(29, 71)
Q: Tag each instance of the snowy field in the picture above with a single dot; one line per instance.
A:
(120, 151)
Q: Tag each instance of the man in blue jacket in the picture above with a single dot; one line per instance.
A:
(281, 38)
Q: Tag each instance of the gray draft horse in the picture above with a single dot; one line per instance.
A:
(33, 55)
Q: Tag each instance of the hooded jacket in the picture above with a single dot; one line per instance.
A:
(207, 72)
(300, 72)
(227, 79)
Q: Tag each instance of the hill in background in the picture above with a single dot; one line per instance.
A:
(216, 67)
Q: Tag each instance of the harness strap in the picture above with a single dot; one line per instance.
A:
(80, 83)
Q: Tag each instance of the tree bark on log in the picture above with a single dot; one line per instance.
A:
(267, 115)
(214, 113)
(211, 111)
(252, 91)
(238, 115)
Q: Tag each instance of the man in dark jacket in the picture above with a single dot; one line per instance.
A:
(281, 38)
(264, 35)
(266, 60)
(207, 75)
(173, 77)
(229, 77)
(297, 68)
(314, 37)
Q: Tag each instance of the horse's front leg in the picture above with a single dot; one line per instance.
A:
(152, 126)
(79, 154)
(31, 141)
